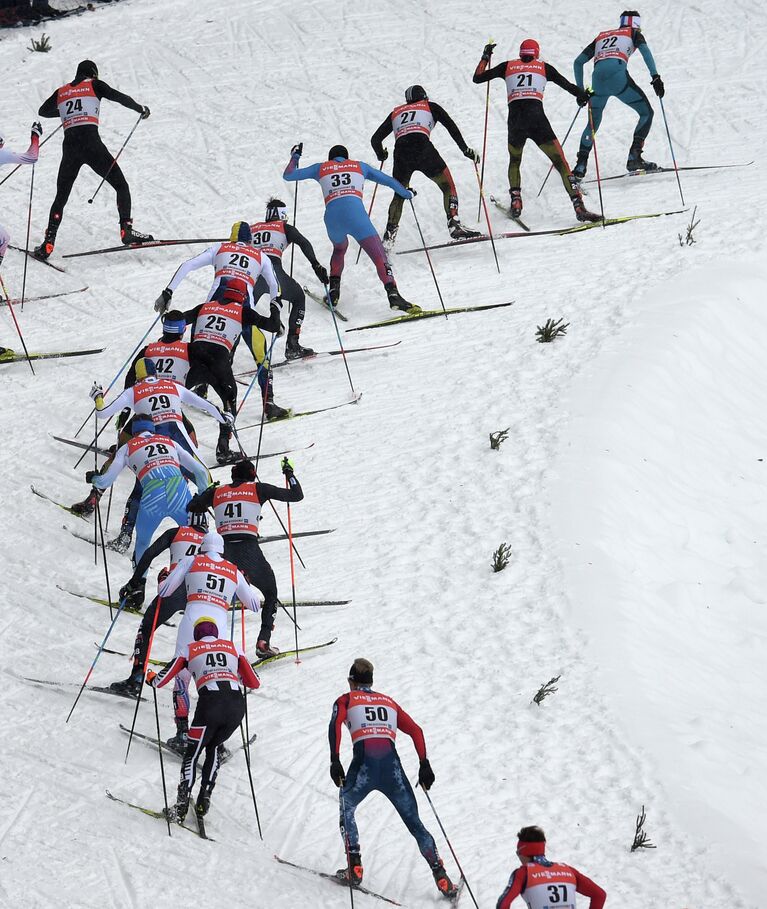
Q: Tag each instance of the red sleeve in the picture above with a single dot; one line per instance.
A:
(514, 888)
(248, 676)
(408, 725)
(588, 888)
(336, 726)
(168, 672)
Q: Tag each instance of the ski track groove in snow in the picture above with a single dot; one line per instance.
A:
(406, 476)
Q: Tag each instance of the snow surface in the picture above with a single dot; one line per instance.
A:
(633, 445)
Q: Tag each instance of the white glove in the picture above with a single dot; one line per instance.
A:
(37, 129)
(96, 392)
(162, 303)
(229, 418)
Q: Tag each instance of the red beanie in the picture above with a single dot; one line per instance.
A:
(531, 849)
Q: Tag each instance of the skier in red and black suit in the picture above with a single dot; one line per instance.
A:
(526, 79)
(237, 509)
(373, 720)
(218, 668)
(78, 103)
(412, 124)
(543, 884)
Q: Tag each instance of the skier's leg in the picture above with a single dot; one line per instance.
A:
(396, 787)
(102, 162)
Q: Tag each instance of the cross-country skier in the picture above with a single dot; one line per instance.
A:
(526, 79)
(156, 461)
(218, 667)
(9, 157)
(412, 124)
(237, 509)
(77, 104)
(610, 51)
(170, 353)
(342, 181)
(273, 236)
(542, 883)
(373, 720)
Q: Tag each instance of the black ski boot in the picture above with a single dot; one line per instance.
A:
(636, 162)
(224, 454)
(357, 871)
(397, 301)
(334, 287)
(179, 741)
(130, 237)
(130, 687)
(515, 204)
(581, 212)
(88, 504)
(122, 541)
(275, 412)
(581, 165)
(202, 805)
(459, 232)
(445, 886)
(294, 351)
(44, 250)
(179, 811)
(390, 236)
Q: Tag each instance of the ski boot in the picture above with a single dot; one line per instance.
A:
(445, 886)
(6, 354)
(275, 412)
(396, 301)
(179, 811)
(357, 871)
(130, 237)
(224, 454)
(264, 649)
(223, 754)
(179, 741)
(294, 351)
(44, 250)
(122, 541)
(581, 165)
(130, 687)
(459, 232)
(202, 805)
(581, 212)
(334, 287)
(88, 504)
(636, 162)
(390, 236)
(515, 205)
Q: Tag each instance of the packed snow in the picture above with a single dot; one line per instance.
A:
(630, 487)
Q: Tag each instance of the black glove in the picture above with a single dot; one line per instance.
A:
(162, 303)
(37, 129)
(122, 417)
(487, 52)
(90, 474)
(583, 97)
(412, 192)
(425, 775)
(657, 84)
(133, 593)
(287, 467)
(383, 155)
(297, 150)
(321, 272)
(471, 154)
(145, 112)
(337, 772)
(194, 505)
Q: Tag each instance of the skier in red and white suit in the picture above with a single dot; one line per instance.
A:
(9, 157)
(543, 884)
(218, 667)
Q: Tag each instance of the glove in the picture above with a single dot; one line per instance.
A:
(90, 474)
(583, 96)
(145, 112)
(150, 677)
(657, 84)
(122, 417)
(96, 392)
(470, 153)
(162, 303)
(194, 505)
(37, 128)
(425, 775)
(162, 574)
(487, 52)
(321, 272)
(337, 772)
(384, 155)
(133, 593)
(229, 418)
(287, 467)
(297, 151)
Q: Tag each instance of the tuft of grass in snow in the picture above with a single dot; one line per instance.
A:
(689, 239)
(501, 557)
(41, 45)
(498, 438)
(546, 689)
(551, 330)
(641, 840)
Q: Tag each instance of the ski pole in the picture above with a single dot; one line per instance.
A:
(97, 522)
(162, 763)
(295, 215)
(104, 554)
(428, 257)
(338, 335)
(49, 136)
(109, 507)
(120, 372)
(114, 160)
(246, 751)
(292, 573)
(562, 145)
(98, 654)
(346, 843)
(16, 323)
(158, 606)
(671, 146)
(26, 244)
(596, 163)
(370, 209)
(487, 216)
(450, 846)
(484, 140)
